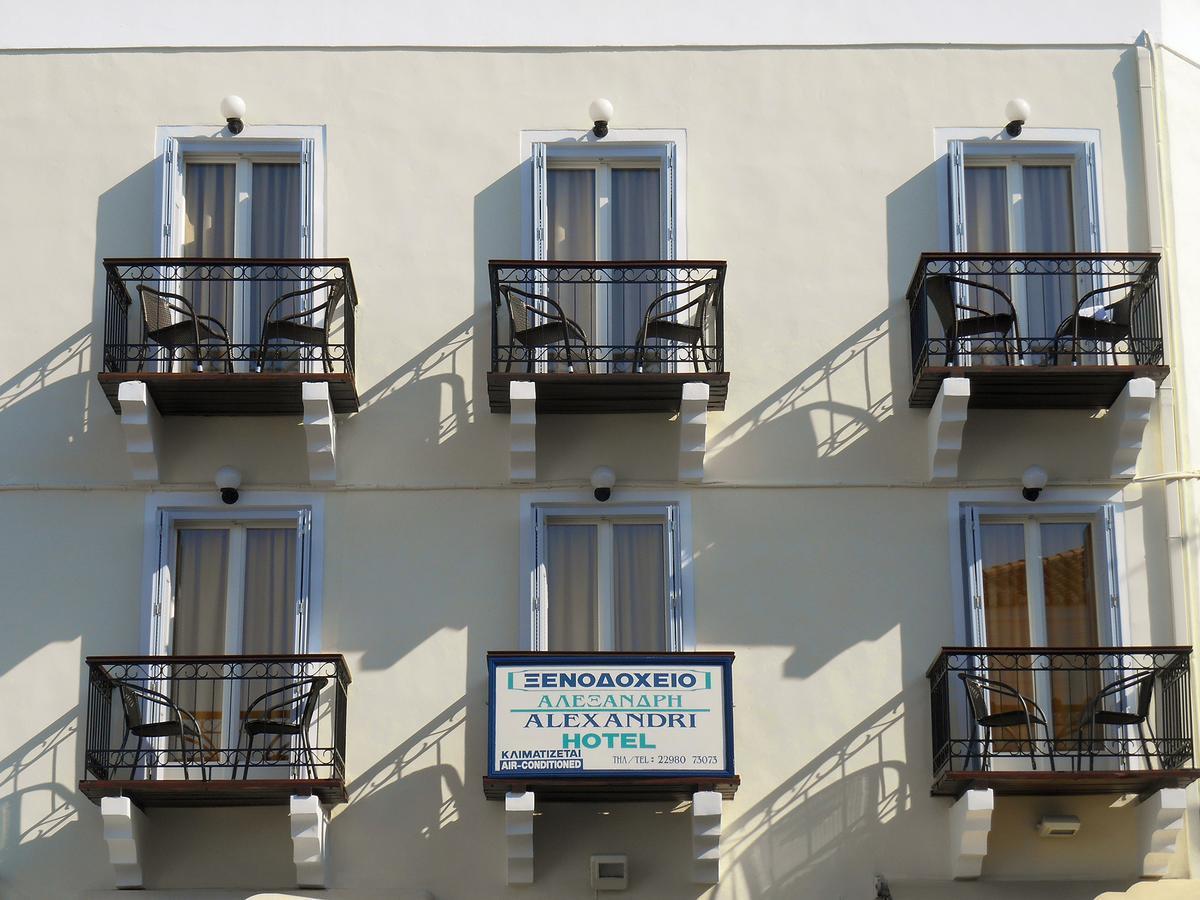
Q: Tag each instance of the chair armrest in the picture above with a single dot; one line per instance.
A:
(334, 293)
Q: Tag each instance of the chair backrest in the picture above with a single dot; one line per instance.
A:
(130, 705)
(156, 313)
(518, 312)
(1145, 692)
(315, 687)
(940, 291)
(976, 699)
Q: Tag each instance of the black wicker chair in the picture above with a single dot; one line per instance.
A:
(1029, 714)
(941, 293)
(179, 724)
(297, 710)
(173, 323)
(1116, 326)
(1096, 716)
(293, 327)
(666, 323)
(536, 320)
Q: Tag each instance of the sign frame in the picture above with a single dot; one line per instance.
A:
(497, 659)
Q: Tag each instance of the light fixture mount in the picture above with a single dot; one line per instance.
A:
(1033, 482)
(603, 479)
(600, 111)
(233, 110)
(1017, 112)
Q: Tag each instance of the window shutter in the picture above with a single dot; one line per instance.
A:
(674, 588)
(672, 245)
(171, 187)
(303, 555)
(540, 190)
(1112, 575)
(973, 575)
(307, 195)
(1091, 197)
(957, 194)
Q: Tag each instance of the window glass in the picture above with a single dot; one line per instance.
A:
(571, 584)
(639, 587)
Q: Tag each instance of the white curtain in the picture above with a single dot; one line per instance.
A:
(987, 203)
(201, 597)
(1049, 228)
(201, 603)
(274, 234)
(571, 235)
(639, 588)
(636, 234)
(208, 233)
(269, 615)
(571, 583)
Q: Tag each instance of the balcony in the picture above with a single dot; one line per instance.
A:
(216, 730)
(1035, 331)
(597, 337)
(230, 336)
(1039, 721)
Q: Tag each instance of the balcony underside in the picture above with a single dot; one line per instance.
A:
(627, 392)
(237, 394)
(1034, 387)
(607, 790)
(222, 792)
(1043, 783)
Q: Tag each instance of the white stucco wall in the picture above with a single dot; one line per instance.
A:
(822, 556)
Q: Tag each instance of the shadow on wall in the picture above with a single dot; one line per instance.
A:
(808, 414)
(815, 834)
(40, 816)
(432, 385)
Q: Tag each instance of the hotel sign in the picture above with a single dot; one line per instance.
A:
(610, 715)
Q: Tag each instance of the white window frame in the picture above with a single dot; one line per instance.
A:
(164, 512)
(667, 146)
(1080, 147)
(1105, 509)
(305, 143)
(673, 508)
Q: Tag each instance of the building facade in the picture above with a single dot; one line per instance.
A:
(344, 351)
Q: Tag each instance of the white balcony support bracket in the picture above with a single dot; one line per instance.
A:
(1160, 823)
(518, 834)
(706, 837)
(693, 430)
(320, 432)
(970, 824)
(522, 424)
(1132, 415)
(310, 848)
(124, 829)
(143, 429)
(947, 420)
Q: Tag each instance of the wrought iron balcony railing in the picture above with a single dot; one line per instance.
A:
(1066, 322)
(229, 315)
(607, 317)
(1061, 719)
(220, 729)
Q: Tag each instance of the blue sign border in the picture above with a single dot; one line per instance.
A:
(509, 660)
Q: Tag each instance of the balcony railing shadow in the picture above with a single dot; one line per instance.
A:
(236, 335)
(607, 336)
(1027, 720)
(216, 730)
(1035, 330)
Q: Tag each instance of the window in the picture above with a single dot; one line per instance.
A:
(227, 587)
(1044, 581)
(611, 580)
(252, 198)
(1026, 197)
(610, 202)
